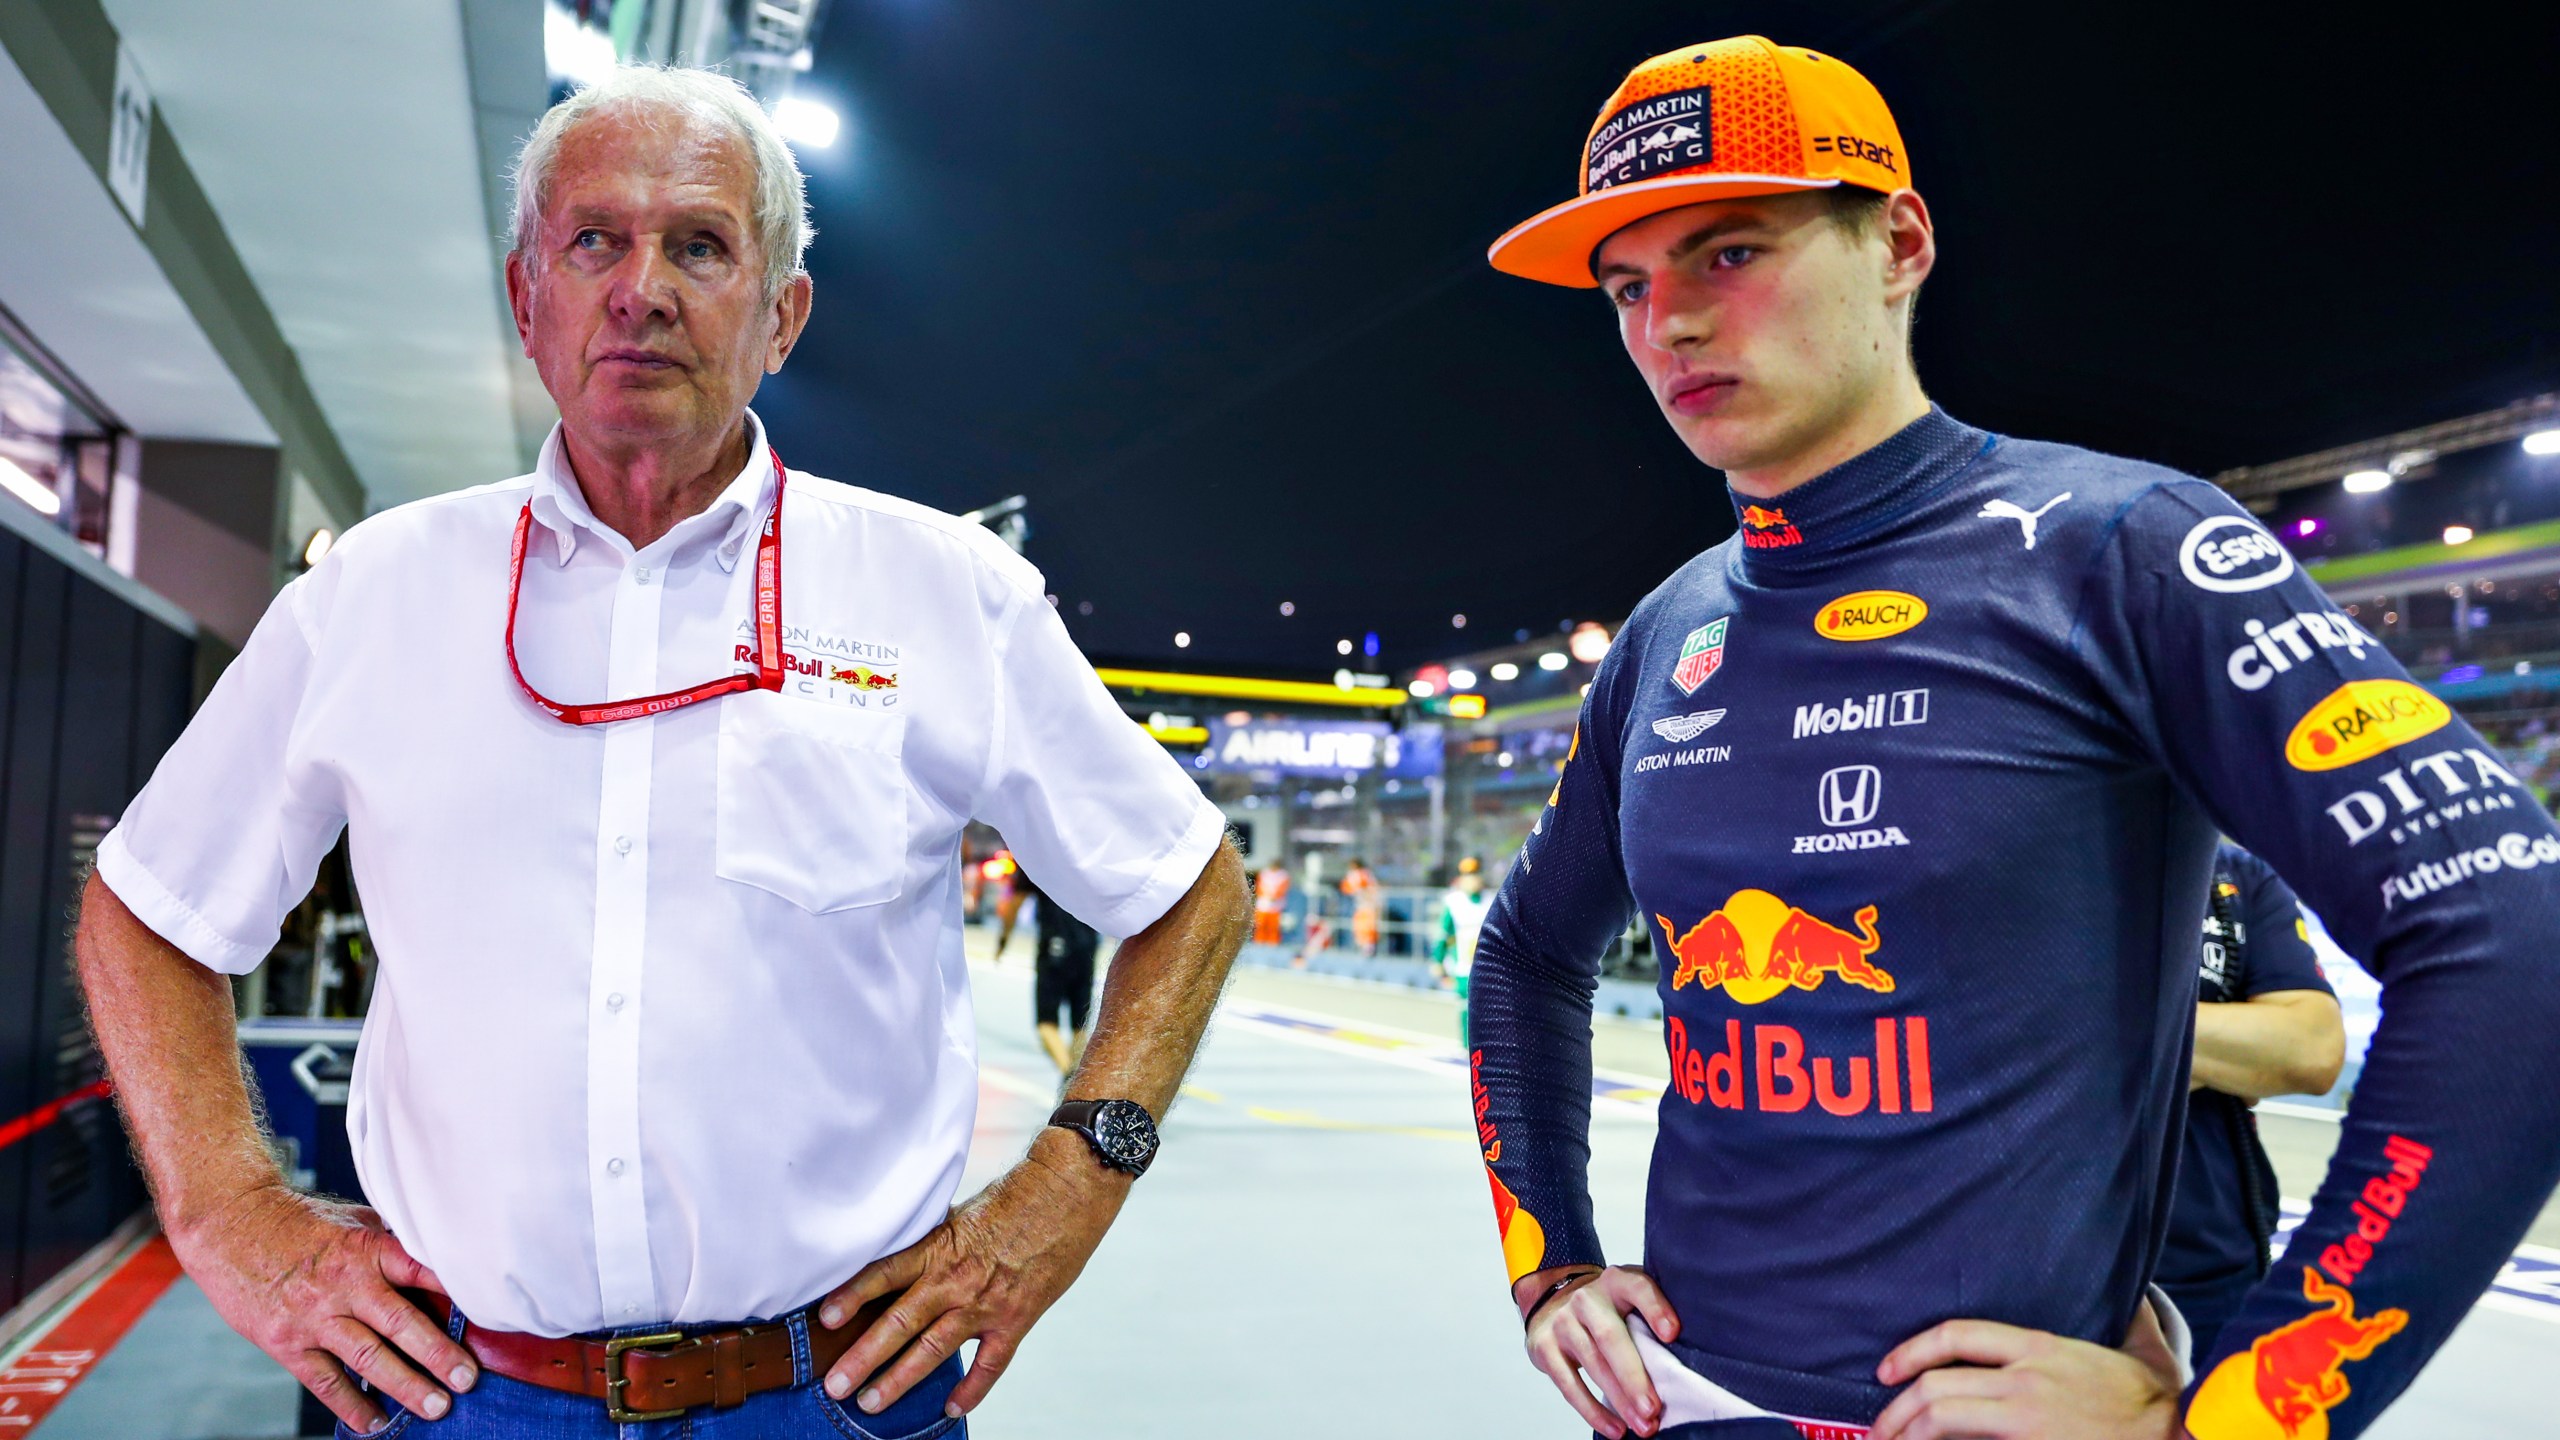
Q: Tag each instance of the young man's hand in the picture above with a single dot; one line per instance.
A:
(1585, 1329)
(1978, 1378)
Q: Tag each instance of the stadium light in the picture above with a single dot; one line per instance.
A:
(1288, 607)
(806, 122)
(1589, 642)
(2542, 442)
(1457, 622)
(1553, 660)
(2457, 534)
(1341, 647)
(1182, 639)
(1462, 679)
(26, 487)
(1506, 671)
(2366, 482)
(1422, 689)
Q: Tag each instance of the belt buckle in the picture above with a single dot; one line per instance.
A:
(615, 1382)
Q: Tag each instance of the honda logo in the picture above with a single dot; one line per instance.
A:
(1850, 795)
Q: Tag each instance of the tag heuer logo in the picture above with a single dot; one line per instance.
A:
(1700, 655)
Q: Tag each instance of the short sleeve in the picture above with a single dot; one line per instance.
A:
(224, 840)
(1101, 815)
(2279, 938)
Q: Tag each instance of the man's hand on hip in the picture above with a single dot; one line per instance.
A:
(2003, 1382)
(1585, 1329)
(987, 1273)
(315, 1284)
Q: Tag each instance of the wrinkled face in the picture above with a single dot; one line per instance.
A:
(1760, 324)
(640, 297)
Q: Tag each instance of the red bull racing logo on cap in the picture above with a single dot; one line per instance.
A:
(2285, 1384)
(1767, 529)
(1655, 134)
(1701, 655)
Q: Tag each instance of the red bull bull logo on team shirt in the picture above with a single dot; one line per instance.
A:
(1767, 529)
(2289, 1379)
(1757, 947)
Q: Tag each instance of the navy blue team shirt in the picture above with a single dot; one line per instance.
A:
(2226, 1196)
(1915, 782)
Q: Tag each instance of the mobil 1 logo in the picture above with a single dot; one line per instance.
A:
(1873, 711)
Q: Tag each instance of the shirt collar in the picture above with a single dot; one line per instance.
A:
(1842, 506)
(562, 507)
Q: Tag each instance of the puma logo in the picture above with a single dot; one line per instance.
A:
(2008, 510)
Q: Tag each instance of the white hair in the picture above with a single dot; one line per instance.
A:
(781, 217)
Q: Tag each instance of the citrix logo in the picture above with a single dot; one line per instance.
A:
(2362, 814)
(2273, 649)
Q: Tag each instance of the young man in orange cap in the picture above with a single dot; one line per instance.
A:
(1927, 907)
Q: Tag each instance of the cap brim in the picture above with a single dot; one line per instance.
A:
(1555, 245)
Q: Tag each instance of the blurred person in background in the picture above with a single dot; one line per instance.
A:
(2267, 1023)
(1360, 888)
(1270, 902)
(1930, 901)
(1453, 951)
(1061, 977)
(751, 883)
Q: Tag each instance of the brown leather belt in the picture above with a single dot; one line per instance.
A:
(657, 1376)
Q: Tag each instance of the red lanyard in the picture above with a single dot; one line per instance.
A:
(768, 674)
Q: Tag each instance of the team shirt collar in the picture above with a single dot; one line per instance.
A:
(562, 509)
(1842, 506)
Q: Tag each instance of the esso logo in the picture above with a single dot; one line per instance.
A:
(2229, 554)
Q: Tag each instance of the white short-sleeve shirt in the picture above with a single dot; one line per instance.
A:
(671, 1022)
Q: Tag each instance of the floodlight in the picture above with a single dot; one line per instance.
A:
(2366, 482)
(806, 122)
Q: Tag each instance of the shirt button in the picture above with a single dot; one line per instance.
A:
(613, 1002)
(621, 844)
(641, 574)
(613, 1166)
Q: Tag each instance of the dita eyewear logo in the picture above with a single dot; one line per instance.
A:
(1662, 132)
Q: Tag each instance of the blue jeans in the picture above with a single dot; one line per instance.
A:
(502, 1409)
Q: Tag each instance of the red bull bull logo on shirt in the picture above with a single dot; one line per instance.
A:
(2289, 1379)
(1767, 529)
(1757, 947)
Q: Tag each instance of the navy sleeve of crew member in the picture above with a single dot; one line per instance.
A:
(2280, 956)
(2430, 864)
(1529, 998)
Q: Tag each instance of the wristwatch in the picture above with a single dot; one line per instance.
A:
(1121, 1132)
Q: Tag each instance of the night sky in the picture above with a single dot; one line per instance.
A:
(1207, 283)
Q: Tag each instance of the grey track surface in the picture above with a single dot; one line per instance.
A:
(1313, 1255)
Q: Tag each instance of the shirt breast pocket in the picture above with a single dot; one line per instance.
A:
(812, 801)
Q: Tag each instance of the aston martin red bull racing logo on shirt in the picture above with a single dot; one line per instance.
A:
(1767, 529)
(1701, 655)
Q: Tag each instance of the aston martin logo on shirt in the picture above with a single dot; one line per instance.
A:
(1680, 729)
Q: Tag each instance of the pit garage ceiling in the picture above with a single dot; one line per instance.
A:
(95, 297)
(340, 145)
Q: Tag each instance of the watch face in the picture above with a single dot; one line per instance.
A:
(1125, 1132)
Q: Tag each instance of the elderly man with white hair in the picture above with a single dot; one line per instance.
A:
(654, 764)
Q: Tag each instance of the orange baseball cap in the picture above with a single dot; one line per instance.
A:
(1711, 122)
